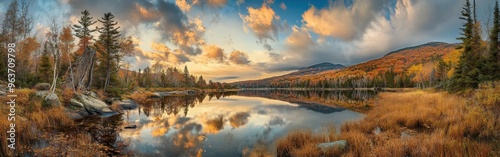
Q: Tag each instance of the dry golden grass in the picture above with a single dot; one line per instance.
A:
(140, 97)
(67, 94)
(438, 124)
(32, 120)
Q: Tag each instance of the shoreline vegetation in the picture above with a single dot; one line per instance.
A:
(414, 123)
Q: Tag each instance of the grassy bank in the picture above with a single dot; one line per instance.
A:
(43, 130)
(415, 123)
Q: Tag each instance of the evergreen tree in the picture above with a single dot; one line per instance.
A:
(466, 73)
(186, 76)
(83, 31)
(491, 69)
(108, 47)
(44, 70)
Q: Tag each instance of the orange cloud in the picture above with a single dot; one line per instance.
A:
(341, 22)
(215, 53)
(183, 4)
(238, 57)
(262, 22)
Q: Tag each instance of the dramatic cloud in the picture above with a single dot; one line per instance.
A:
(214, 53)
(263, 23)
(238, 57)
(339, 21)
(163, 54)
(166, 17)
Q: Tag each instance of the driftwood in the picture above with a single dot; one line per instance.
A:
(80, 72)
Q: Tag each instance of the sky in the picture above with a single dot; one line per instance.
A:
(234, 40)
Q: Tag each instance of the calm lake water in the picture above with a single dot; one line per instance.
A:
(230, 124)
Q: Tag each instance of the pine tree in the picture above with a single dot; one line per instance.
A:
(491, 69)
(186, 76)
(108, 47)
(466, 72)
(83, 31)
(44, 70)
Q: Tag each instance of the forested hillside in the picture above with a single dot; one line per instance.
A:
(418, 66)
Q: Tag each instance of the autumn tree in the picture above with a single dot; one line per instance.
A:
(66, 40)
(201, 83)
(108, 46)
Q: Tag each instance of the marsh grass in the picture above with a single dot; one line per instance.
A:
(434, 124)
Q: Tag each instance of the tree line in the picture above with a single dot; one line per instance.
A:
(93, 63)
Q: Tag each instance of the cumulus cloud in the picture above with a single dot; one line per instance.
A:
(339, 21)
(163, 54)
(263, 22)
(238, 57)
(214, 53)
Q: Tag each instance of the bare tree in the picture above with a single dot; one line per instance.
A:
(53, 39)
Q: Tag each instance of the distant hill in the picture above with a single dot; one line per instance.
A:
(431, 44)
(310, 70)
(316, 68)
(325, 74)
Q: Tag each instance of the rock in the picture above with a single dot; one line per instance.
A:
(155, 95)
(339, 144)
(74, 115)
(2, 93)
(42, 86)
(49, 97)
(76, 103)
(131, 127)
(92, 104)
(377, 130)
(191, 92)
(127, 104)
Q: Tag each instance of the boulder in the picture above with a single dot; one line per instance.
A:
(127, 104)
(342, 144)
(155, 95)
(42, 86)
(93, 105)
(49, 97)
(75, 103)
(74, 115)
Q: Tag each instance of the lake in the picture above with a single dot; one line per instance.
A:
(230, 123)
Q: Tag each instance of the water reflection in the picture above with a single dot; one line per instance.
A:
(230, 123)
